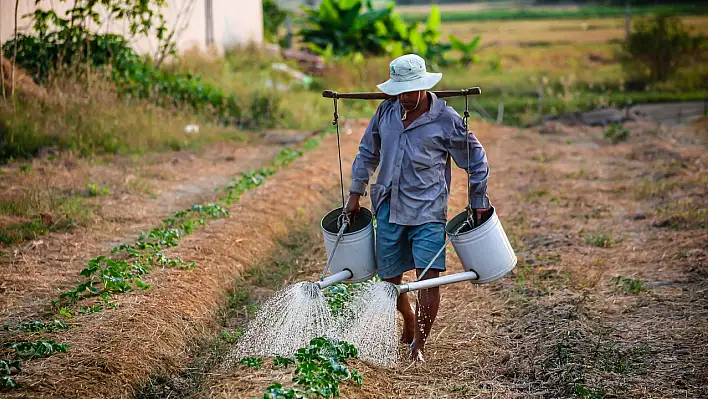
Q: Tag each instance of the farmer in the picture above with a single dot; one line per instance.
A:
(412, 137)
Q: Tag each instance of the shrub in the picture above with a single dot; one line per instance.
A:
(658, 46)
(273, 18)
(344, 27)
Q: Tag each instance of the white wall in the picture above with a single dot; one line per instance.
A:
(235, 22)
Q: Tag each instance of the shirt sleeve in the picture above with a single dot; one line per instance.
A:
(367, 160)
(477, 167)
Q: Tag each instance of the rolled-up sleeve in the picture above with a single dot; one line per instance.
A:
(477, 167)
(367, 160)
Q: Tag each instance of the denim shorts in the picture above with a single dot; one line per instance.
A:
(402, 248)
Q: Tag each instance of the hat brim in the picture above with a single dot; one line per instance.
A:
(427, 81)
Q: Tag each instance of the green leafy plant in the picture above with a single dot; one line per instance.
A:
(231, 336)
(32, 350)
(616, 133)
(273, 18)
(94, 190)
(630, 285)
(467, 50)
(7, 370)
(341, 28)
(601, 240)
(280, 361)
(38, 326)
(252, 362)
(277, 391)
(322, 365)
(61, 44)
(586, 393)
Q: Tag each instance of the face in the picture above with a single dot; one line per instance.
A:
(410, 99)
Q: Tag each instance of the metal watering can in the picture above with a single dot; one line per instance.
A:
(484, 251)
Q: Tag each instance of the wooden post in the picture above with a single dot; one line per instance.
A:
(627, 19)
(289, 32)
(14, 56)
(540, 101)
(500, 113)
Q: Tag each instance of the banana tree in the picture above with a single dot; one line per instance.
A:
(466, 49)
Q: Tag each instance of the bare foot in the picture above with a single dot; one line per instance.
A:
(416, 352)
(409, 324)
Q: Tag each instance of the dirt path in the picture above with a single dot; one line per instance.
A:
(581, 212)
(142, 193)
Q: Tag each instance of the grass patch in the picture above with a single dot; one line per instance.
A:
(601, 240)
(46, 214)
(94, 120)
(684, 215)
(630, 285)
(649, 188)
(616, 133)
(535, 194)
(540, 13)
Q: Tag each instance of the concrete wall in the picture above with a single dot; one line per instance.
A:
(234, 22)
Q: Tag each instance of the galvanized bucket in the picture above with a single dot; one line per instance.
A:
(485, 249)
(355, 251)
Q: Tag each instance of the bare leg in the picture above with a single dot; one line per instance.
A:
(427, 310)
(404, 306)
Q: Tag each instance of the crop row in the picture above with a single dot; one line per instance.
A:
(127, 266)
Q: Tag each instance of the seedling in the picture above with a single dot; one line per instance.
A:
(280, 361)
(38, 326)
(252, 362)
(276, 391)
(616, 133)
(586, 393)
(232, 337)
(320, 367)
(601, 240)
(94, 190)
(7, 370)
(629, 284)
(32, 350)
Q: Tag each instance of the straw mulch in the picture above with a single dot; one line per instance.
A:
(558, 326)
(142, 192)
(151, 332)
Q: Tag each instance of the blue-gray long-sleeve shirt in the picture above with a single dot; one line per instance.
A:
(415, 162)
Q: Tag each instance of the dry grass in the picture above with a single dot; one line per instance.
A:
(557, 325)
(142, 192)
(519, 33)
(158, 325)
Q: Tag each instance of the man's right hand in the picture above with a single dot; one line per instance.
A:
(352, 207)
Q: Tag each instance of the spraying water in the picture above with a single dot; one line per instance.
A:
(287, 322)
(369, 322)
(299, 313)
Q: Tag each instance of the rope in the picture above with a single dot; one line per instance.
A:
(467, 144)
(339, 151)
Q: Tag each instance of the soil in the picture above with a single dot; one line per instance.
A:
(587, 217)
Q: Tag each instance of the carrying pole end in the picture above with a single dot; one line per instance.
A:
(330, 94)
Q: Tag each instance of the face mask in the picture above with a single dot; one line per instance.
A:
(405, 111)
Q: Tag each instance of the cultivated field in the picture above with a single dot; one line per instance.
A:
(136, 246)
(607, 293)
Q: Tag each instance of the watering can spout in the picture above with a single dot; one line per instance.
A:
(344, 275)
(436, 282)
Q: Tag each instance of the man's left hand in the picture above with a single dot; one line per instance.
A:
(480, 215)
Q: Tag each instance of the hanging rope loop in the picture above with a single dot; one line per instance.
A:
(467, 169)
(335, 122)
